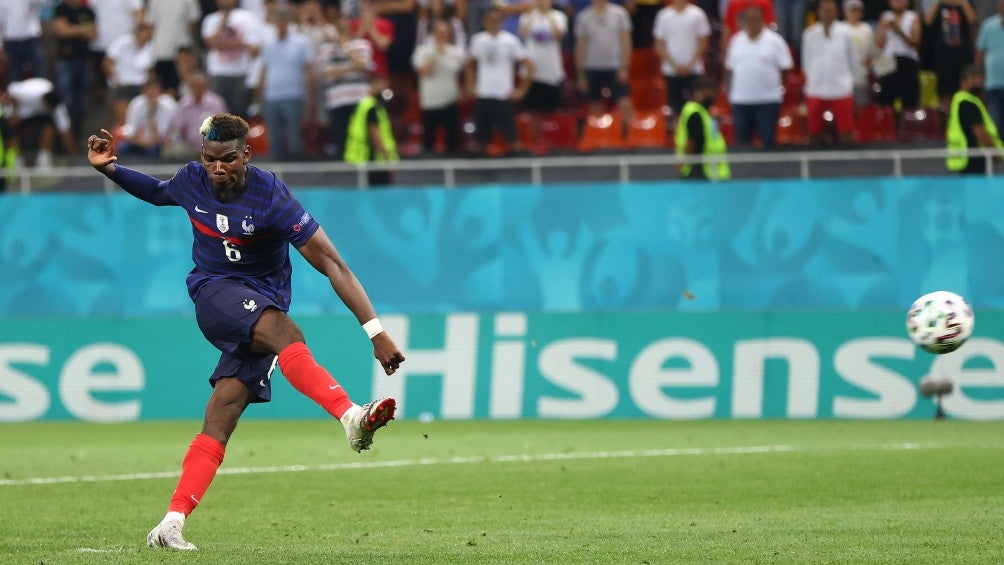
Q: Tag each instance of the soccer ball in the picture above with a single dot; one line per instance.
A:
(940, 321)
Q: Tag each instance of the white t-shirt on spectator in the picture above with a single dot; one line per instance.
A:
(543, 48)
(828, 61)
(864, 41)
(441, 87)
(237, 62)
(21, 19)
(756, 67)
(496, 57)
(603, 36)
(896, 45)
(131, 63)
(171, 20)
(139, 116)
(681, 31)
(114, 18)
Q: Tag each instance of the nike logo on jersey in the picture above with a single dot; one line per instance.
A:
(334, 387)
(200, 210)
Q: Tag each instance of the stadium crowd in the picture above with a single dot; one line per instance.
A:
(363, 80)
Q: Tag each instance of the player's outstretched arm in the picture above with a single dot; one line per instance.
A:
(321, 253)
(101, 155)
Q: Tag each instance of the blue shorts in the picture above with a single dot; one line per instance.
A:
(226, 310)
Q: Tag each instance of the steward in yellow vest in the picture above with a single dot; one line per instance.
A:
(370, 137)
(697, 134)
(969, 125)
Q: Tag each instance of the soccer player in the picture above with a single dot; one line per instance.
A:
(243, 221)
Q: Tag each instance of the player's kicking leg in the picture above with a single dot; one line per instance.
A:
(361, 422)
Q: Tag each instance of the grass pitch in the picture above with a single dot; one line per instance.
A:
(516, 492)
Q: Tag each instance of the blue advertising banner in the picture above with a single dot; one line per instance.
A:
(825, 244)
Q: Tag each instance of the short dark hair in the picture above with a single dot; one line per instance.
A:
(970, 70)
(224, 127)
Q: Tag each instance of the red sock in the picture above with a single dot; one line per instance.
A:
(198, 469)
(313, 380)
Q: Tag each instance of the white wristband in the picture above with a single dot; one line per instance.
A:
(373, 328)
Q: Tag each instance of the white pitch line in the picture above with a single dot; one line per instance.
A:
(521, 458)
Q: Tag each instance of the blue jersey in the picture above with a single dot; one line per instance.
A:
(246, 238)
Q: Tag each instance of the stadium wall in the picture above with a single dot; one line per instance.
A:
(665, 300)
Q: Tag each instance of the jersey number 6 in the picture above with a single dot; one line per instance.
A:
(233, 254)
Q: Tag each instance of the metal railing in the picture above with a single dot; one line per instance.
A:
(621, 168)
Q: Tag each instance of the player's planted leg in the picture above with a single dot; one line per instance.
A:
(168, 533)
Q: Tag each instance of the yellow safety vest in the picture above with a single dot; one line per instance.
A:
(958, 147)
(714, 143)
(357, 143)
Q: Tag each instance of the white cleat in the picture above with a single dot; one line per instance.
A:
(168, 534)
(362, 421)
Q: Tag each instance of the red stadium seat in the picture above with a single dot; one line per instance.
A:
(645, 64)
(875, 123)
(647, 129)
(557, 132)
(794, 85)
(791, 127)
(648, 94)
(258, 137)
(602, 131)
(917, 124)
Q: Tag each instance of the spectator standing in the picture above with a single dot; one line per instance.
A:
(196, 106)
(379, 32)
(431, 12)
(755, 61)
(898, 38)
(828, 60)
(176, 22)
(74, 28)
(314, 26)
(347, 63)
(286, 84)
(543, 29)
(115, 19)
(439, 62)
(864, 43)
(128, 65)
(493, 56)
(603, 54)
(970, 125)
(731, 23)
(233, 38)
(21, 31)
(148, 122)
(403, 17)
(698, 134)
(681, 33)
(990, 57)
(950, 24)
